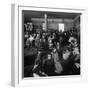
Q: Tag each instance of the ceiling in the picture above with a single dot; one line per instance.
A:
(40, 14)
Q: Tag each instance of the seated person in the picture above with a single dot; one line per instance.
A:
(45, 67)
(48, 65)
(27, 43)
(68, 62)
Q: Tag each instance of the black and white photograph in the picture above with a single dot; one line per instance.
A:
(51, 43)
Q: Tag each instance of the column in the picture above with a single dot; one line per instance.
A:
(45, 16)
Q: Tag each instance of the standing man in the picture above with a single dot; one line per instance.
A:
(58, 66)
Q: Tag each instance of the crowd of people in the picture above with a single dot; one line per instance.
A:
(55, 53)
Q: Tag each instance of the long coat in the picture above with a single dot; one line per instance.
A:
(58, 66)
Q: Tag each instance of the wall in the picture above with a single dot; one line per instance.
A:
(5, 43)
(53, 23)
(77, 22)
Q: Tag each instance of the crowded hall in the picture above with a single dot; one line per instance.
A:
(51, 43)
